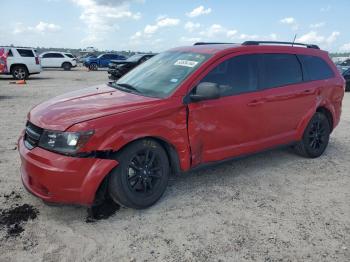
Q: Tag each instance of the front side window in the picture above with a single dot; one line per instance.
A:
(162, 74)
(280, 70)
(69, 55)
(315, 68)
(235, 75)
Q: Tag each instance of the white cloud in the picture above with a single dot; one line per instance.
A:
(190, 26)
(315, 38)
(326, 8)
(290, 21)
(41, 27)
(345, 47)
(150, 30)
(101, 16)
(248, 37)
(231, 33)
(190, 39)
(317, 25)
(213, 30)
(161, 22)
(200, 10)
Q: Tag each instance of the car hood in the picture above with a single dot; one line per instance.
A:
(71, 108)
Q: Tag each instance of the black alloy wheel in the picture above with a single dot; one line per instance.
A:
(142, 175)
(316, 137)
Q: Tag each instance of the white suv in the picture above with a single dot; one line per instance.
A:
(19, 61)
(58, 60)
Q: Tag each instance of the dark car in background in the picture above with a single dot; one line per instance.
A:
(118, 68)
(93, 63)
(346, 75)
(343, 66)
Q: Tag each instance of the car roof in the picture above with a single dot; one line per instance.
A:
(22, 47)
(216, 48)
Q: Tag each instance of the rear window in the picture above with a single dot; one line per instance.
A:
(25, 52)
(280, 70)
(315, 68)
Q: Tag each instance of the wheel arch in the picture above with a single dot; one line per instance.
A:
(172, 154)
(66, 62)
(170, 150)
(18, 64)
(324, 110)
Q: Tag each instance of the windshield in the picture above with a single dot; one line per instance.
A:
(162, 74)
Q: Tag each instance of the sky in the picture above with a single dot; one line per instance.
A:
(157, 25)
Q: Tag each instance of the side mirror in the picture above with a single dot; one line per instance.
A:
(205, 91)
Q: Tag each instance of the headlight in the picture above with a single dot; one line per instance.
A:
(64, 142)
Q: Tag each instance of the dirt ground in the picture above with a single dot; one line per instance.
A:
(274, 206)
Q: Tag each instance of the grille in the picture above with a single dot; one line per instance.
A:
(32, 135)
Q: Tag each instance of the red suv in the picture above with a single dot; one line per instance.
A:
(184, 108)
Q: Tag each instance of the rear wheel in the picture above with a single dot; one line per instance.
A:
(142, 175)
(20, 72)
(66, 66)
(315, 138)
(93, 67)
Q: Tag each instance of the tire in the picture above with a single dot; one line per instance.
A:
(20, 72)
(142, 175)
(315, 138)
(93, 67)
(66, 66)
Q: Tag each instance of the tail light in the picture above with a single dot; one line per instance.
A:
(37, 60)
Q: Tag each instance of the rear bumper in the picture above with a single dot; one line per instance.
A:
(35, 69)
(62, 179)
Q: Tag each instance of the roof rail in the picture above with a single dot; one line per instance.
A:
(212, 43)
(279, 43)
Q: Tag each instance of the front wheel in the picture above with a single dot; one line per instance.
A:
(93, 67)
(315, 138)
(142, 175)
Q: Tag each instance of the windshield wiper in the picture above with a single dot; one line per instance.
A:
(128, 87)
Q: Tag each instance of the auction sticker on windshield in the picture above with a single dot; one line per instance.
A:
(187, 63)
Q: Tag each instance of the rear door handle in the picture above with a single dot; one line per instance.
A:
(256, 102)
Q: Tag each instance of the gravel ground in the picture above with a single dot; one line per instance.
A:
(274, 206)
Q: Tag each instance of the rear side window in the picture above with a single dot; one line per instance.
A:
(57, 55)
(47, 55)
(25, 52)
(315, 68)
(235, 75)
(280, 70)
(10, 53)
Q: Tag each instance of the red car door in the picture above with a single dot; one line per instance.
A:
(230, 125)
(286, 100)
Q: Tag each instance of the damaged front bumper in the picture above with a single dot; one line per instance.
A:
(63, 179)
